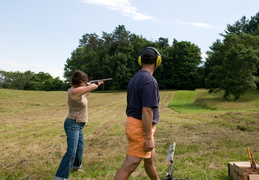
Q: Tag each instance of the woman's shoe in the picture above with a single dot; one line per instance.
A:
(77, 170)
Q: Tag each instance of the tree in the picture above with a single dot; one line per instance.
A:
(254, 25)
(53, 84)
(244, 26)
(120, 71)
(31, 81)
(214, 57)
(236, 75)
(112, 55)
(90, 41)
(232, 65)
(163, 43)
(121, 40)
(76, 61)
(181, 62)
(16, 80)
(115, 55)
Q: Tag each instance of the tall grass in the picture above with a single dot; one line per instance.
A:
(32, 139)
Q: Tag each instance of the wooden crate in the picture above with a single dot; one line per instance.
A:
(231, 169)
(242, 170)
(253, 177)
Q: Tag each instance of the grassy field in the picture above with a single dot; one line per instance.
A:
(208, 132)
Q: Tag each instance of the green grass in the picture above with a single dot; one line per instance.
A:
(200, 101)
(184, 102)
(208, 132)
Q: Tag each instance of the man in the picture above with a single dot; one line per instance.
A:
(142, 111)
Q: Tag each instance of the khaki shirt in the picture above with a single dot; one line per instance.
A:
(78, 109)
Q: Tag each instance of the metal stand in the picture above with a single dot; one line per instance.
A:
(170, 169)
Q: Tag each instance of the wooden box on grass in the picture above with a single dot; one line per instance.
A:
(253, 177)
(231, 169)
(241, 170)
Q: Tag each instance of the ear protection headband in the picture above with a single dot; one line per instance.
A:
(158, 59)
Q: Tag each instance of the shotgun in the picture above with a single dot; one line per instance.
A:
(96, 81)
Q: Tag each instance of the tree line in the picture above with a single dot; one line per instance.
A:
(231, 65)
(31, 81)
(115, 55)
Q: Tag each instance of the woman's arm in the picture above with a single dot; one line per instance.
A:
(76, 93)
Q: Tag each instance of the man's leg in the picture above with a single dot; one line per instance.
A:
(128, 167)
(150, 168)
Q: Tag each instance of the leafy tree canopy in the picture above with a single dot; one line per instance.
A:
(232, 65)
(115, 55)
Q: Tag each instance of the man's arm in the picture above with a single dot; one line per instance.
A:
(147, 121)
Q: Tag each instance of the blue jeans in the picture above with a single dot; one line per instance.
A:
(75, 148)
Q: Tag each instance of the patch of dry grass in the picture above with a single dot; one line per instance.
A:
(33, 140)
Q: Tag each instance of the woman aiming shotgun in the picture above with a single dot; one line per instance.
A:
(74, 123)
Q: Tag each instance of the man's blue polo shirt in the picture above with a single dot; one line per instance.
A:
(143, 91)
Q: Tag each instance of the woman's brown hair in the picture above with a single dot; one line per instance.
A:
(78, 78)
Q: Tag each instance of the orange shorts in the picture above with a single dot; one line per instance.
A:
(136, 138)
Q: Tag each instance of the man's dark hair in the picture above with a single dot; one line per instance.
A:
(149, 55)
(148, 59)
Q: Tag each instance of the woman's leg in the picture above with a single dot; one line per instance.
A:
(80, 150)
(72, 132)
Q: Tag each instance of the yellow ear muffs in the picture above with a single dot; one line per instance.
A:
(158, 61)
(139, 61)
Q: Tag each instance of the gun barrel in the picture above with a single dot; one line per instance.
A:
(107, 79)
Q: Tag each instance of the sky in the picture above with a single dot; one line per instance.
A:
(39, 35)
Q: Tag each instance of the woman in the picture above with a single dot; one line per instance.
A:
(74, 123)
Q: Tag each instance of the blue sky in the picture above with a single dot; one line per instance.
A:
(39, 35)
